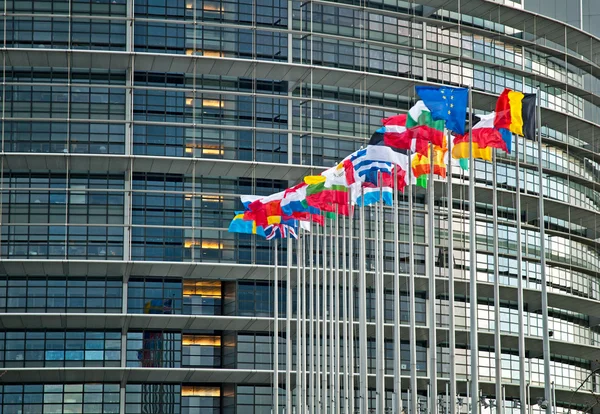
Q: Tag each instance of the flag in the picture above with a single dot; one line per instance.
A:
(367, 162)
(396, 135)
(460, 149)
(372, 195)
(282, 230)
(294, 201)
(263, 208)
(485, 134)
(240, 225)
(378, 136)
(249, 199)
(446, 104)
(421, 164)
(328, 199)
(422, 126)
(515, 112)
(422, 181)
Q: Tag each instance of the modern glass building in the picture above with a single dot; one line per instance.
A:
(130, 127)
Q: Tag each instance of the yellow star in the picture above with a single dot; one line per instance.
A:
(451, 105)
(443, 97)
(448, 112)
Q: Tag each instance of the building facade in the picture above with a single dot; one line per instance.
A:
(130, 127)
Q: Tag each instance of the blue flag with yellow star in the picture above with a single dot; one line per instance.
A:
(446, 103)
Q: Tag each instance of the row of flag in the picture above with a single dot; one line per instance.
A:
(403, 141)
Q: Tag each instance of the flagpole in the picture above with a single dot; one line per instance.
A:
(520, 300)
(473, 274)
(380, 353)
(362, 310)
(332, 378)
(452, 337)
(545, 328)
(345, 315)
(303, 323)
(351, 303)
(381, 240)
(288, 330)
(397, 348)
(497, 338)
(432, 296)
(299, 254)
(311, 319)
(276, 332)
(317, 293)
(336, 309)
(411, 298)
(326, 372)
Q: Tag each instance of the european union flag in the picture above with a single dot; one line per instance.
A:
(446, 103)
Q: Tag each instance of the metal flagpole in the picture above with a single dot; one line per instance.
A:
(276, 332)
(452, 337)
(432, 297)
(288, 330)
(311, 321)
(362, 313)
(351, 305)
(520, 301)
(325, 333)
(497, 338)
(304, 331)
(380, 351)
(299, 253)
(473, 272)
(411, 298)
(397, 350)
(317, 294)
(332, 375)
(381, 304)
(336, 310)
(546, 337)
(345, 316)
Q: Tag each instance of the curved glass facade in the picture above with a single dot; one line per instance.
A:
(130, 127)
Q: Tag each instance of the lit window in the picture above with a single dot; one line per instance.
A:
(189, 101)
(189, 243)
(212, 103)
(212, 198)
(208, 53)
(212, 150)
(211, 244)
(211, 7)
(205, 244)
(201, 340)
(207, 288)
(191, 391)
(206, 149)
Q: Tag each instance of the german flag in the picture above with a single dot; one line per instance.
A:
(515, 112)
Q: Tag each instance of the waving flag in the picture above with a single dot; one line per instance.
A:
(294, 201)
(239, 225)
(515, 112)
(328, 199)
(446, 104)
(460, 149)
(413, 131)
(486, 135)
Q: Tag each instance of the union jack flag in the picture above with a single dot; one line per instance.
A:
(280, 231)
